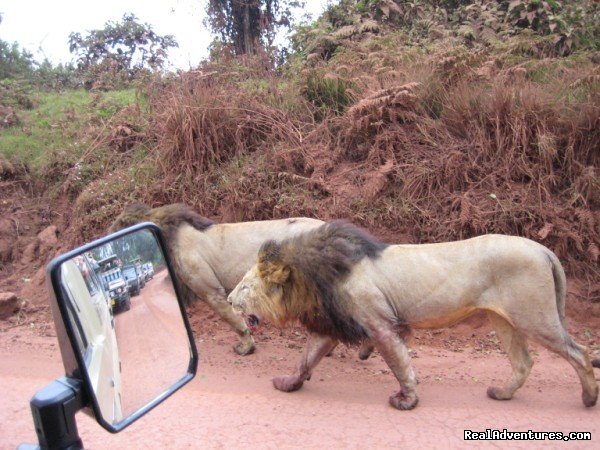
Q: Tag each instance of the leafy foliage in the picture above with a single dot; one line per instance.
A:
(572, 22)
(14, 61)
(61, 76)
(249, 25)
(19, 73)
(119, 51)
(16, 94)
(569, 26)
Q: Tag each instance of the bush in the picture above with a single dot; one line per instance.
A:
(119, 52)
(15, 62)
(62, 76)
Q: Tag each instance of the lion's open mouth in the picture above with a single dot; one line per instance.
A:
(252, 321)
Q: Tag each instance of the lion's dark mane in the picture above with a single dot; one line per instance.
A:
(169, 219)
(322, 259)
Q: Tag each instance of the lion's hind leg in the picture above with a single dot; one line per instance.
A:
(550, 332)
(515, 345)
(578, 357)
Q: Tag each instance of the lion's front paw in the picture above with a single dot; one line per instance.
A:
(404, 401)
(287, 383)
(498, 393)
(244, 348)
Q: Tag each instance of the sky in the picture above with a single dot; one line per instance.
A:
(43, 26)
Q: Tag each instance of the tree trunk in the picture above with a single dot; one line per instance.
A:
(248, 37)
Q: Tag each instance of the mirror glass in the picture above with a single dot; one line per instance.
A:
(126, 322)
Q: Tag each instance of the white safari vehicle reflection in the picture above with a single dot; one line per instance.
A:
(116, 367)
(93, 321)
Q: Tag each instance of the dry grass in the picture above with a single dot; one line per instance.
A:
(431, 147)
(502, 154)
(213, 133)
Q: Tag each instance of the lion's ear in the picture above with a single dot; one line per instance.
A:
(279, 274)
(270, 252)
(270, 265)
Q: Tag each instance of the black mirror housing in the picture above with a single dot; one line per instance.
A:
(68, 336)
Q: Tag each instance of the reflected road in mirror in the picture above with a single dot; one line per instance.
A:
(152, 341)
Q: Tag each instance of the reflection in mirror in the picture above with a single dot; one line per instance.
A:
(126, 321)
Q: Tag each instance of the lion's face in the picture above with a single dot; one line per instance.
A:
(256, 299)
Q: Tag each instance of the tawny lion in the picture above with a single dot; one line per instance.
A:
(345, 286)
(210, 258)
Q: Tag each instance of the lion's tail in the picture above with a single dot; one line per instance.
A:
(560, 289)
(560, 284)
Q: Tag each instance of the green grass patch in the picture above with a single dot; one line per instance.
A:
(60, 123)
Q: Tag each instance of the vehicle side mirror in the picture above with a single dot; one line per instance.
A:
(131, 347)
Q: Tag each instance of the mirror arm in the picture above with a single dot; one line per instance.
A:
(53, 408)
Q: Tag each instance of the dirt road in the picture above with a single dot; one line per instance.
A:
(231, 403)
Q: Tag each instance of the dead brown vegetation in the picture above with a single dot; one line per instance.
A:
(448, 148)
(206, 124)
(417, 145)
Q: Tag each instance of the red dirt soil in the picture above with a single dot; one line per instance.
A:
(231, 402)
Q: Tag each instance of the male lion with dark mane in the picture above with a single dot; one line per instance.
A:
(210, 258)
(343, 285)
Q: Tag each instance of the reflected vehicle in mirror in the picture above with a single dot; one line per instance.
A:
(94, 331)
(117, 366)
(136, 262)
(113, 282)
(148, 269)
(140, 274)
(133, 280)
